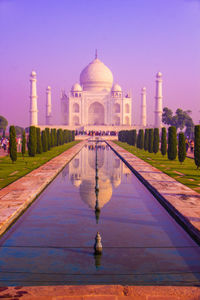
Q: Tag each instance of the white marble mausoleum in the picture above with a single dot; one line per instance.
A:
(96, 100)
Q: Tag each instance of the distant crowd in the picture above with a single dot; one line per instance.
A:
(4, 144)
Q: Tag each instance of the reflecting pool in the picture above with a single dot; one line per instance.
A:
(53, 242)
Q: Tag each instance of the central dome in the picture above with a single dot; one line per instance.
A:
(96, 77)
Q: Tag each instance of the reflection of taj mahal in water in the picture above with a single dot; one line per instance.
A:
(96, 103)
(82, 173)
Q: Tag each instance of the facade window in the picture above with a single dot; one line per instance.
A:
(127, 120)
(127, 108)
(76, 94)
(75, 108)
(116, 108)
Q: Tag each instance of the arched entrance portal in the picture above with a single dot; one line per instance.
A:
(96, 114)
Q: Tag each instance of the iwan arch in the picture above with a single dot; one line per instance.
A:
(96, 103)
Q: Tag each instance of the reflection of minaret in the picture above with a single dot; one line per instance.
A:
(97, 208)
(48, 106)
(33, 100)
(143, 108)
(158, 102)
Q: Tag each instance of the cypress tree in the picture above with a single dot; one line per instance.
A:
(52, 137)
(44, 141)
(55, 136)
(140, 139)
(150, 146)
(73, 135)
(197, 145)
(172, 143)
(181, 147)
(39, 142)
(32, 141)
(155, 140)
(48, 138)
(134, 137)
(70, 136)
(163, 148)
(12, 143)
(23, 143)
(146, 139)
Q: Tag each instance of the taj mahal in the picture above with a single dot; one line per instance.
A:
(96, 102)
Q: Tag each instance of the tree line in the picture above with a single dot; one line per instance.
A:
(170, 144)
(38, 141)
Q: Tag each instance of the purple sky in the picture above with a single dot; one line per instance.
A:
(134, 38)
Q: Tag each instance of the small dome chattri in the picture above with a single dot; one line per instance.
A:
(33, 73)
(159, 74)
(76, 88)
(116, 88)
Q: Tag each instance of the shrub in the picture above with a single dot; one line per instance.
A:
(140, 139)
(155, 140)
(197, 145)
(48, 138)
(12, 143)
(32, 141)
(23, 143)
(163, 148)
(181, 147)
(172, 143)
(150, 146)
(52, 137)
(39, 142)
(146, 139)
(44, 141)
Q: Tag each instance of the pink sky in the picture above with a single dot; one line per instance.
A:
(134, 38)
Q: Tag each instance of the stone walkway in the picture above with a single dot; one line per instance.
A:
(17, 196)
(182, 202)
(97, 292)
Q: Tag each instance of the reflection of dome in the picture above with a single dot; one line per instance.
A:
(76, 88)
(116, 88)
(87, 192)
(96, 76)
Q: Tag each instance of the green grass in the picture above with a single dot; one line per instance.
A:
(10, 172)
(186, 173)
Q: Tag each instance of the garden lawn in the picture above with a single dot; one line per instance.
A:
(186, 173)
(10, 172)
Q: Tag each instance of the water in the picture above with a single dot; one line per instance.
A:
(52, 243)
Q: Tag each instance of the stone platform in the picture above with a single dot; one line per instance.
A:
(97, 292)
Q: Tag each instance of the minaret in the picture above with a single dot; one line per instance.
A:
(158, 102)
(48, 106)
(143, 108)
(33, 100)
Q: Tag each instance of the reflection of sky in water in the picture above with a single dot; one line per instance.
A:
(52, 243)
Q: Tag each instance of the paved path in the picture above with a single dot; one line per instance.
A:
(182, 202)
(101, 292)
(16, 197)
